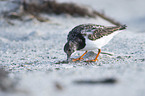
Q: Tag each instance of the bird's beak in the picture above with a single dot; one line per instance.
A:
(68, 57)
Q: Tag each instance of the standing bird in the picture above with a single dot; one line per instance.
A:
(86, 37)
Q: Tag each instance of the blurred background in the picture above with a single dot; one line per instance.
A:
(129, 12)
(32, 37)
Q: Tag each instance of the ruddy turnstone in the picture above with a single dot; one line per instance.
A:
(87, 37)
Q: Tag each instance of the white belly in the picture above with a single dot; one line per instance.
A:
(97, 44)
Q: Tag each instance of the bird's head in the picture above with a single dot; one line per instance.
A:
(69, 48)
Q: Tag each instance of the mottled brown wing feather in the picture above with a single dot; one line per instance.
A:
(100, 32)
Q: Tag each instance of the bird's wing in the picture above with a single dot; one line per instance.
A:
(99, 31)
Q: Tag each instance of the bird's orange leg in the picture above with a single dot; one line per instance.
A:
(80, 58)
(94, 60)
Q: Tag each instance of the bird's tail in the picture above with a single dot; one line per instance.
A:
(115, 28)
(122, 27)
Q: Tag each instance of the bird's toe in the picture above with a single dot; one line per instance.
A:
(78, 59)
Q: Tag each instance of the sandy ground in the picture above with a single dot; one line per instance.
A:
(30, 50)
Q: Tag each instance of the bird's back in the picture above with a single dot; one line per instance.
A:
(77, 31)
(93, 31)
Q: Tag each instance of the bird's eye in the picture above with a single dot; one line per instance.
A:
(69, 49)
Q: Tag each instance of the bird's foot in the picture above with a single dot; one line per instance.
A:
(91, 60)
(78, 59)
